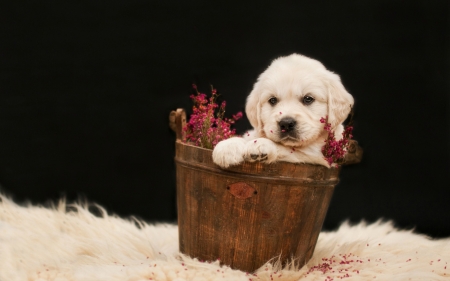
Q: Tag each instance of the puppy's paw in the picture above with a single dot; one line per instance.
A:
(261, 149)
(229, 152)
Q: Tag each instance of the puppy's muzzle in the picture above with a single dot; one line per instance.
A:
(287, 127)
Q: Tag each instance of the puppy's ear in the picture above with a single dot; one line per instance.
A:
(253, 107)
(340, 102)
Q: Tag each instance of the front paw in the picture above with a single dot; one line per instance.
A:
(261, 149)
(229, 152)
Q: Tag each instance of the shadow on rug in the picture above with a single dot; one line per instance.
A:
(68, 242)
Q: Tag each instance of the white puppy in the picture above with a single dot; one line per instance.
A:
(285, 108)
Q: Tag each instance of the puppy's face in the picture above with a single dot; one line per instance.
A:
(291, 97)
(291, 109)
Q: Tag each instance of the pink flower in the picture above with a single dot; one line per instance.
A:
(207, 125)
(237, 116)
(334, 150)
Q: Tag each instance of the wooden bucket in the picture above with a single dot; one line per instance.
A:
(248, 214)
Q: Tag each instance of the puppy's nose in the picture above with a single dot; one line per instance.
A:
(287, 124)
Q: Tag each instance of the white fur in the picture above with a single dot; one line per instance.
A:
(289, 79)
(38, 244)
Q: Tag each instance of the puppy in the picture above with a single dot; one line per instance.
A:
(285, 107)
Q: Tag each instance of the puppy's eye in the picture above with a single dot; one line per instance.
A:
(273, 101)
(307, 100)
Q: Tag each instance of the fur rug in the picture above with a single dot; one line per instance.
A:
(68, 242)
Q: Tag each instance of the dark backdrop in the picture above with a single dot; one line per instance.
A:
(86, 88)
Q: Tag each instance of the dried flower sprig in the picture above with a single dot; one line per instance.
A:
(207, 125)
(334, 150)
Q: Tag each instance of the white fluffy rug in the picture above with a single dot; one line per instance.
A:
(69, 243)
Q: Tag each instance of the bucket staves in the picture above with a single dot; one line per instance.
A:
(250, 213)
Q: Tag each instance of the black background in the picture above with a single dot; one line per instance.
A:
(86, 88)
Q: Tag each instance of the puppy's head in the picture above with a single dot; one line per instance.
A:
(291, 96)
